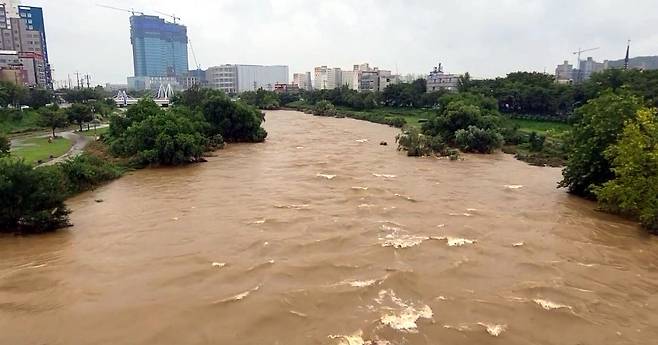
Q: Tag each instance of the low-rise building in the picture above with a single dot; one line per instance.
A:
(564, 73)
(438, 80)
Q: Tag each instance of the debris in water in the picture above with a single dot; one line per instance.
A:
(354, 339)
(360, 188)
(471, 209)
(218, 264)
(405, 197)
(383, 143)
(518, 244)
(454, 241)
(99, 200)
(494, 330)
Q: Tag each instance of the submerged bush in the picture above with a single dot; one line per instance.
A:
(478, 140)
(324, 108)
(536, 142)
(634, 189)
(417, 144)
(31, 200)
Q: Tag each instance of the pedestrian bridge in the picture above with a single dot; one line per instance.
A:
(162, 98)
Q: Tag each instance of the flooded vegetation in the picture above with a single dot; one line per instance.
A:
(322, 236)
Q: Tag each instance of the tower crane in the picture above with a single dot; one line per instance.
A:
(580, 51)
(172, 16)
(194, 55)
(131, 11)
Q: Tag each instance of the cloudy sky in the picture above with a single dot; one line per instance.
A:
(485, 37)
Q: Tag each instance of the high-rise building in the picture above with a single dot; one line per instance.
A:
(159, 47)
(327, 78)
(224, 77)
(302, 80)
(23, 31)
(32, 20)
(564, 74)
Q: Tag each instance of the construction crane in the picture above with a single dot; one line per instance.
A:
(131, 11)
(172, 16)
(580, 51)
(193, 54)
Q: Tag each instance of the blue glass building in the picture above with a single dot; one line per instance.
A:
(33, 18)
(159, 47)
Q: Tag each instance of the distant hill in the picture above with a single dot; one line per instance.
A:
(641, 62)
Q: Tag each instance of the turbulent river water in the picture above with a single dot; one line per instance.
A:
(322, 236)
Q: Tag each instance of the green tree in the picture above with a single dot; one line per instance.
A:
(234, 121)
(598, 124)
(5, 145)
(53, 118)
(634, 189)
(38, 97)
(474, 139)
(79, 113)
(31, 200)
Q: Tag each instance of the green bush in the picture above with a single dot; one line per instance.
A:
(234, 121)
(324, 108)
(31, 200)
(5, 146)
(597, 125)
(536, 142)
(634, 189)
(478, 140)
(418, 144)
(86, 171)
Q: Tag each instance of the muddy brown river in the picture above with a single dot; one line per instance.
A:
(322, 236)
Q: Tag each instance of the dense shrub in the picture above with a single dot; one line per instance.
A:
(261, 99)
(418, 144)
(31, 200)
(474, 139)
(634, 189)
(86, 171)
(5, 146)
(598, 124)
(324, 108)
(234, 121)
(536, 142)
(167, 138)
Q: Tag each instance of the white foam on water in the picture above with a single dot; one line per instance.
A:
(518, 244)
(294, 206)
(493, 329)
(239, 296)
(465, 214)
(349, 339)
(327, 176)
(361, 283)
(471, 209)
(442, 298)
(441, 226)
(260, 221)
(297, 313)
(366, 206)
(299, 147)
(405, 197)
(454, 241)
(174, 219)
(459, 328)
(384, 175)
(513, 186)
(360, 188)
(402, 316)
(361, 140)
(218, 264)
(403, 241)
(548, 305)
(586, 265)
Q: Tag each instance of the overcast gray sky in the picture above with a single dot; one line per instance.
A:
(485, 37)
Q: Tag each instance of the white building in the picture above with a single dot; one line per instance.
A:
(240, 78)
(347, 79)
(437, 80)
(327, 78)
(302, 80)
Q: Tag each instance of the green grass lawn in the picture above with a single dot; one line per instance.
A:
(541, 127)
(94, 133)
(35, 149)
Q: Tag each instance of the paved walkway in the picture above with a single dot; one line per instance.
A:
(79, 143)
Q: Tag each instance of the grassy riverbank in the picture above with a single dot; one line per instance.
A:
(34, 150)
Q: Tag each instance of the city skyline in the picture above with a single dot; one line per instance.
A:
(485, 39)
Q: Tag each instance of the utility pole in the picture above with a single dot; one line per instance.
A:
(88, 85)
(627, 59)
(77, 77)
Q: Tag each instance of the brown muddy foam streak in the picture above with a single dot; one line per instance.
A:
(264, 245)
